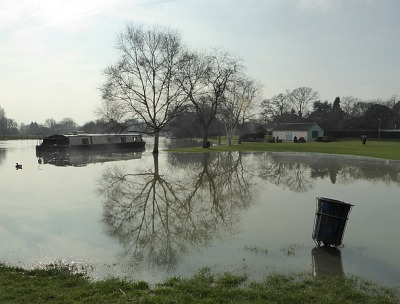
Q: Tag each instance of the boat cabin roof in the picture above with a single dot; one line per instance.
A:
(92, 135)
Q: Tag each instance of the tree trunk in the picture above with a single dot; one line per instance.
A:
(156, 140)
(205, 138)
(156, 171)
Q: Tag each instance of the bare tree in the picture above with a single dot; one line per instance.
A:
(3, 122)
(205, 79)
(349, 105)
(301, 98)
(12, 126)
(238, 104)
(142, 84)
(68, 125)
(51, 123)
(392, 101)
(275, 107)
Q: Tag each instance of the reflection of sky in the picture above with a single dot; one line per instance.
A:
(51, 213)
(46, 209)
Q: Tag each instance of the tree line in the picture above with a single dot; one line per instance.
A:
(158, 84)
(9, 127)
(346, 113)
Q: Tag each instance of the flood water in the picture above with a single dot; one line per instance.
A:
(149, 218)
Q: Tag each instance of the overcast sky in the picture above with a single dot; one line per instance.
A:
(52, 52)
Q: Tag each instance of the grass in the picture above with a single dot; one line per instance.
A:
(383, 149)
(58, 285)
(19, 137)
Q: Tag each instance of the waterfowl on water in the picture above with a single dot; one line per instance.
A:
(18, 166)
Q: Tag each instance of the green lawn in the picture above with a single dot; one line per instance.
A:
(384, 149)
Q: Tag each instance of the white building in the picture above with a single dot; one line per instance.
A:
(287, 131)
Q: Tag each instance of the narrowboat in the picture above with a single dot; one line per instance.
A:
(80, 141)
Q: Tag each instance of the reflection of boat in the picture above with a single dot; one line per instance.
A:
(91, 142)
(326, 260)
(79, 159)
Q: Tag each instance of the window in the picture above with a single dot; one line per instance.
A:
(123, 139)
(85, 141)
(314, 134)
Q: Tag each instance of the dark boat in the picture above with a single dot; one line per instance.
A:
(80, 141)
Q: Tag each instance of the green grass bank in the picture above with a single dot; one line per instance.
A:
(58, 285)
(383, 149)
(19, 137)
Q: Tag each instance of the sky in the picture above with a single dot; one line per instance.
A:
(53, 52)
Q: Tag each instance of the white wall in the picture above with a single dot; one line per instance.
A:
(282, 134)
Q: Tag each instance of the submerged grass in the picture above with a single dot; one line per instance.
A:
(58, 285)
(384, 149)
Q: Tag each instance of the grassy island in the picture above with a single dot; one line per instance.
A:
(58, 285)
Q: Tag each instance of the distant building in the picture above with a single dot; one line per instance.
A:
(287, 131)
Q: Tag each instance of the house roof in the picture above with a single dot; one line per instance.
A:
(294, 126)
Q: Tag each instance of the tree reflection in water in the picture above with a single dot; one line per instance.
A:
(293, 175)
(191, 201)
(2, 154)
(157, 217)
(298, 171)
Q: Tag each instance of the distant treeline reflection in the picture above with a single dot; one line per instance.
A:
(298, 171)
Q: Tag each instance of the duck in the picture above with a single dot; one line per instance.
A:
(18, 166)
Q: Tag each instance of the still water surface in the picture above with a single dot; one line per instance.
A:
(145, 218)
